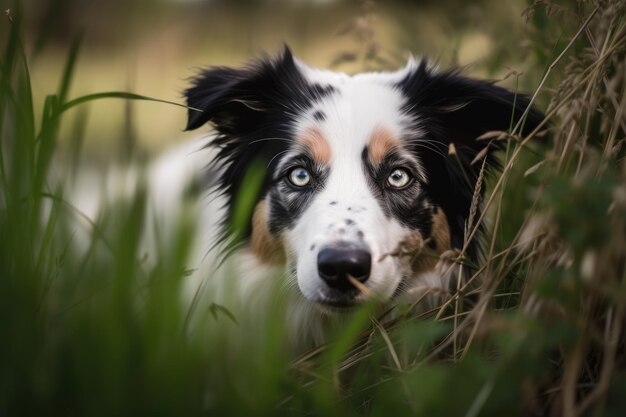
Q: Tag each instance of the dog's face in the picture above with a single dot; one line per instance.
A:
(361, 192)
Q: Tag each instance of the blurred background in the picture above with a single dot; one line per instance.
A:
(89, 321)
(151, 47)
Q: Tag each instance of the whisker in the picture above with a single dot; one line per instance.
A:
(276, 156)
(269, 139)
(430, 148)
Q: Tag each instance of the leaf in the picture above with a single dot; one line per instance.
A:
(493, 134)
(68, 72)
(118, 94)
(480, 155)
(217, 308)
(533, 168)
(390, 347)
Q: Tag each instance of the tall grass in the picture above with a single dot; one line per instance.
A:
(88, 327)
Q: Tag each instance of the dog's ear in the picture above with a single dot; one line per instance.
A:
(251, 110)
(212, 97)
(238, 100)
(449, 108)
(235, 99)
(458, 110)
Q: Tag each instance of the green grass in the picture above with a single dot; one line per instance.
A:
(89, 327)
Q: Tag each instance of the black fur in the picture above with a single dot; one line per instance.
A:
(451, 108)
(409, 205)
(251, 109)
(288, 202)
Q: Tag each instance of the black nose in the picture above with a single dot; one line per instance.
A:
(334, 264)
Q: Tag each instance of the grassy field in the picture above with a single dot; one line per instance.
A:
(95, 329)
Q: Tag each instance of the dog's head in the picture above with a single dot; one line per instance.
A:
(358, 168)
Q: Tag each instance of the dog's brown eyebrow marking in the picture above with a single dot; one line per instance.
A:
(315, 143)
(382, 141)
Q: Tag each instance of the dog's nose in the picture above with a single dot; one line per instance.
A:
(336, 263)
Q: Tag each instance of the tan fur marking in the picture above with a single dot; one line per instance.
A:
(267, 248)
(381, 142)
(423, 258)
(440, 234)
(315, 142)
(441, 231)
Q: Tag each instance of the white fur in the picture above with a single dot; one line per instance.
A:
(364, 103)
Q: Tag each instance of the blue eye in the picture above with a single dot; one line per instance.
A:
(299, 177)
(399, 178)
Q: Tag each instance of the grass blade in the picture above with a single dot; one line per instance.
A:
(118, 94)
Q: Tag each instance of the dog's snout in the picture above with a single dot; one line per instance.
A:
(336, 263)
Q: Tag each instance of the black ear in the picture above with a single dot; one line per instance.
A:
(452, 109)
(235, 99)
(211, 95)
(251, 110)
(461, 109)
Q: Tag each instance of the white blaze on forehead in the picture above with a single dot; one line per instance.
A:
(346, 209)
(358, 106)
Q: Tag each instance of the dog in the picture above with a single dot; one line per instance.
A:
(366, 179)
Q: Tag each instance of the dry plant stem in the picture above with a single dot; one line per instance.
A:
(611, 344)
(359, 353)
(359, 285)
(390, 347)
(489, 294)
(475, 276)
(422, 297)
(551, 67)
(574, 361)
(456, 313)
(589, 91)
(507, 294)
(454, 296)
(504, 254)
(476, 197)
(480, 314)
(591, 71)
(605, 81)
(566, 147)
(524, 142)
(476, 311)
(581, 155)
(472, 214)
(587, 97)
(359, 348)
(571, 373)
(608, 148)
(589, 74)
(442, 345)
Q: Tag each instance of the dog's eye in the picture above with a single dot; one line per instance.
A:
(299, 177)
(399, 178)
